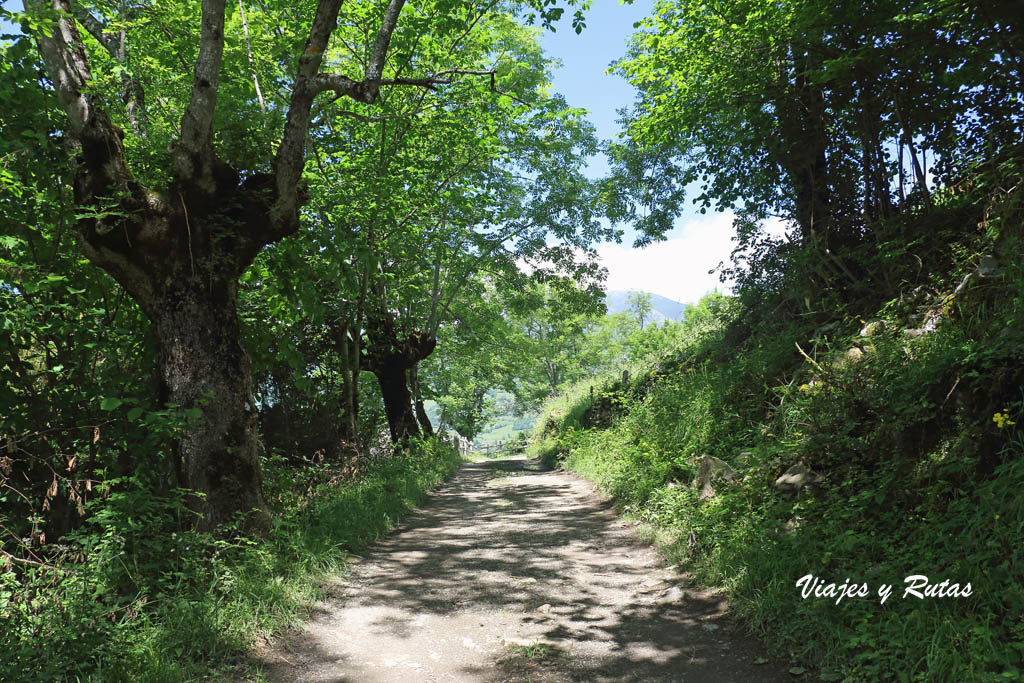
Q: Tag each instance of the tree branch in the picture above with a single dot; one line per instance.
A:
(288, 161)
(308, 83)
(96, 28)
(444, 78)
(134, 95)
(193, 153)
(252, 65)
(64, 56)
(32, 563)
(103, 181)
(379, 52)
(378, 119)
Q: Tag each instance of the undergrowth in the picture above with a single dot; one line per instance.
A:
(916, 435)
(138, 598)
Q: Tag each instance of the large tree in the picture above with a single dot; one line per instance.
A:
(176, 230)
(448, 190)
(829, 120)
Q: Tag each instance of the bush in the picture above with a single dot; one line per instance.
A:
(138, 598)
(922, 463)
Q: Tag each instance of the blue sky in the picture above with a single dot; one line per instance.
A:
(678, 266)
(585, 59)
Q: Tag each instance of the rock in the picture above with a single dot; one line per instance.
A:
(712, 468)
(674, 594)
(930, 326)
(988, 267)
(872, 328)
(853, 355)
(797, 477)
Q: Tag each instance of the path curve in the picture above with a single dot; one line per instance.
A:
(508, 573)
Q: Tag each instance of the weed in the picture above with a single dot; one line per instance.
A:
(147, 601)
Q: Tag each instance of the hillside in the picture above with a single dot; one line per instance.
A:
(503, 425)
(784, 454)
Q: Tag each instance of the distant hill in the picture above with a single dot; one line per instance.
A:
(664, 308)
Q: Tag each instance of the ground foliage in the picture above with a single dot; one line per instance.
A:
(916, 436)
(879, 345)
(139, 595)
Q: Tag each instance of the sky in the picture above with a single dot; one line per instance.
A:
(678, 267)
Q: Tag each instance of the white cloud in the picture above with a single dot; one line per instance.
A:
(678, 267)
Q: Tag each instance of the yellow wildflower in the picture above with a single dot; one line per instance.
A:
(1002, 419)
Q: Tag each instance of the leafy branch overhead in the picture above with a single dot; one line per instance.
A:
(179, 227)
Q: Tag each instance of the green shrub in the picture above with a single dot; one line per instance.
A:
(921, 465)
(137, 598)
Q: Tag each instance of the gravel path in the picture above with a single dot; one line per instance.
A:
(508, 573)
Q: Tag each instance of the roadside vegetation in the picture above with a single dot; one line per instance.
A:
(216, 302)
(854, 410)
(139, 596)
(864, 439)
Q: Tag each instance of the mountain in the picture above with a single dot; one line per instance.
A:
(664, 308)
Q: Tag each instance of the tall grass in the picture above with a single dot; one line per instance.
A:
(922, 473)
(141, 600)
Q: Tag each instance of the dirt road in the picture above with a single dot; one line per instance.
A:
(511, 574)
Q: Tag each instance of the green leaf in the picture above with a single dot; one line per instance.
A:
(110, 403)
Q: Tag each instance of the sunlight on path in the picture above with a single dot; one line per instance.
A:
(508, 574)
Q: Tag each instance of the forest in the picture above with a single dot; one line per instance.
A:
(244, 246)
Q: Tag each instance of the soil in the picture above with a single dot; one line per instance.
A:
(513, 573)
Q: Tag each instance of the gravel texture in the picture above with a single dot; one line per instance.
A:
(513, 573)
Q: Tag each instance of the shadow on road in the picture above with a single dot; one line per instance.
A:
(584, 600)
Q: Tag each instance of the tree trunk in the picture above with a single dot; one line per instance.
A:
(389, 359)
(348, 350)
(397, 401)
(203, 366)
(908, 139)
(417, 397)
(800, 113)
(424, 419)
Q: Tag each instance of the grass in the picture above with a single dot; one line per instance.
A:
(922, 473)
(148, 602)
(534, 651)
